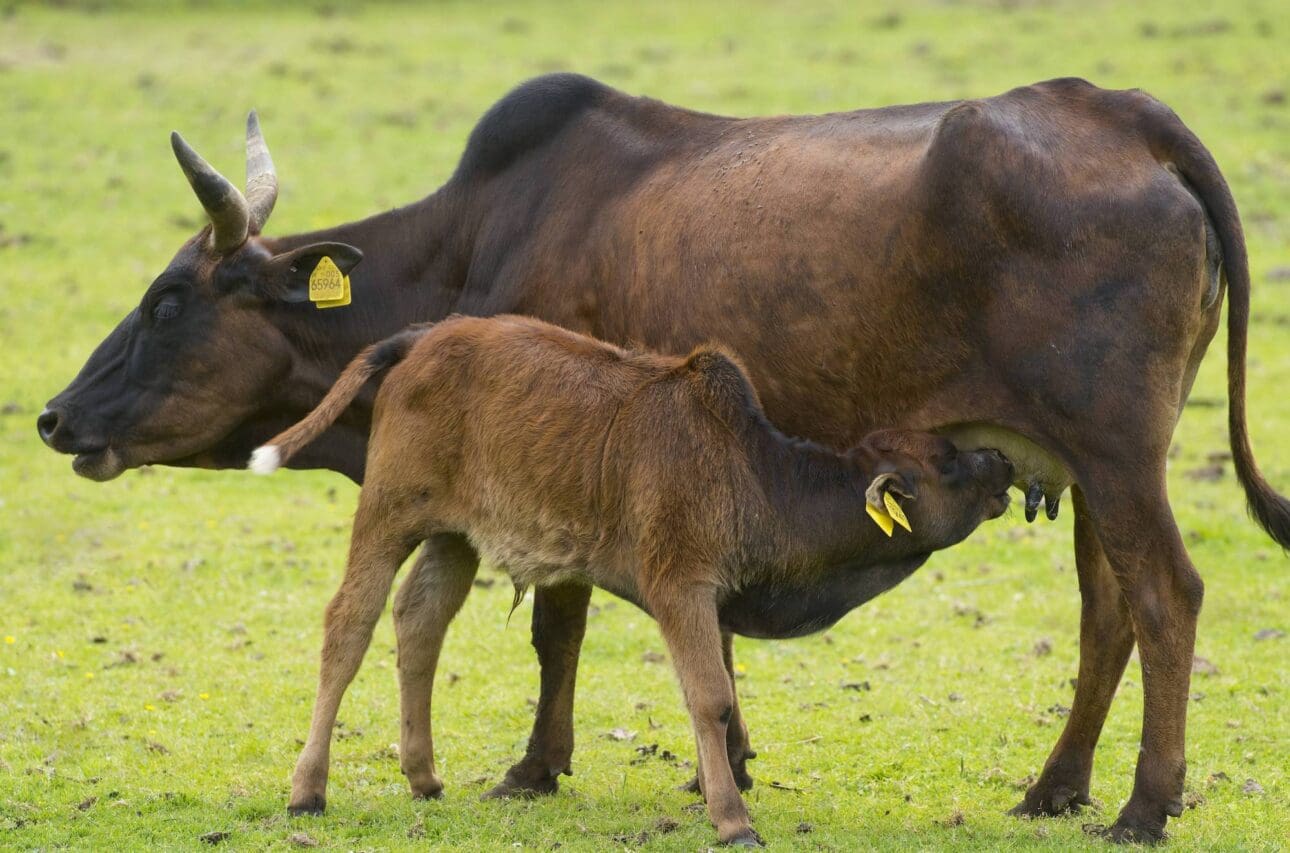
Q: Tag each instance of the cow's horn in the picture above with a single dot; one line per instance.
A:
(224, 204)
(261, 180)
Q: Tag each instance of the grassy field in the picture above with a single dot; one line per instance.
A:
(160, 632)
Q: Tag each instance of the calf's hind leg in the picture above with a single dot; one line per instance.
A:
(424, 606)
(1105, 641)
(376, 550)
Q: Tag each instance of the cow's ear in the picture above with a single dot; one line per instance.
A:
(285, 277)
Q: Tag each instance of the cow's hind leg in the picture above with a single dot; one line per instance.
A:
(377, 548)
(1105, 641)
(738, 749)
(559, 623)
(1130, 508)
(426, 602)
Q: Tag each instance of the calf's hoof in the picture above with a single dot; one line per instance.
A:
(429, 789)
(746, 837)
(314, 804)
(1051, 801)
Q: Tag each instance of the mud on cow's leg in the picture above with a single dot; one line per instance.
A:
(738, 749)
(559, 624)
(1164, 594)
(426, 603)
(1105, 641)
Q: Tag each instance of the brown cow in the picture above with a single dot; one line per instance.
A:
(1039, 271)
(657, 478)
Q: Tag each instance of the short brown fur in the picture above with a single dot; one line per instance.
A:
(566, 460)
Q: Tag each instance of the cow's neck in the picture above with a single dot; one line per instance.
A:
(412, 270)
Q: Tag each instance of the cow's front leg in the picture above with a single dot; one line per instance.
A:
(427, 601)
(1105, 641)
(738, 750)
(559, 623)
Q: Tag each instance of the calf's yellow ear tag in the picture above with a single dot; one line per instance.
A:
(894, 510)
(880, 518)
(328, 287)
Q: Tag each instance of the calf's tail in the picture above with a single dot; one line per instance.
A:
(1173, 142)
(376, 358)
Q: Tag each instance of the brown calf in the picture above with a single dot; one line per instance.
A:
(564, 459)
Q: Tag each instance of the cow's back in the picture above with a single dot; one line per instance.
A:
(916, 265)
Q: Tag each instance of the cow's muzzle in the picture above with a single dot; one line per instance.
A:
(94, 458)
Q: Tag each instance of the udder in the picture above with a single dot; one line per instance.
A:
(1038, 473)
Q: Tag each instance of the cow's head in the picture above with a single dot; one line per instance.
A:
(200, 354)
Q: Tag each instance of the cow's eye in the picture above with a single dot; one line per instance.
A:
(167, 307)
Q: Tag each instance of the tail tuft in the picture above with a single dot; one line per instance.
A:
(265, 460)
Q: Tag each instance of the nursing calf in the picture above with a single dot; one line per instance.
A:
(563, 459)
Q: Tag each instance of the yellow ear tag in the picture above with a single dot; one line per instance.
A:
(897, 514)
(328, 287)
(880, 518)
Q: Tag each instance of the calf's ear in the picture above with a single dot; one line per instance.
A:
(285, 277)
(882, 505)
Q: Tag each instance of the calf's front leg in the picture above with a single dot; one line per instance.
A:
(375, 554)
(688, 620)
(738, 749)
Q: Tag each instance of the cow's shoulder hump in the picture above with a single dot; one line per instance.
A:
(527, 116)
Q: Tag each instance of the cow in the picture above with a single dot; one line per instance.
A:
(561, 458)
(1040, 271)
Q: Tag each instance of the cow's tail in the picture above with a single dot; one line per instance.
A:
(1172, 142)
(371, 361)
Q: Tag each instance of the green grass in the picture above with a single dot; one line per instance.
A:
(166, 625)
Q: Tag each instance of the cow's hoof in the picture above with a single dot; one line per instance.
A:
(1051, 802)
(513, 788)
(745, 838)
(313, 805)
(1127, 832)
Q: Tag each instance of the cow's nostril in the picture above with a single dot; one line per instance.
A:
(47, 424)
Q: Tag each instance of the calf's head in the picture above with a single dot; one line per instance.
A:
(923, 483)
(201, 352)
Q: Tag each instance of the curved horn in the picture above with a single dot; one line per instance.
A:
(261, 179)
(223, 202)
